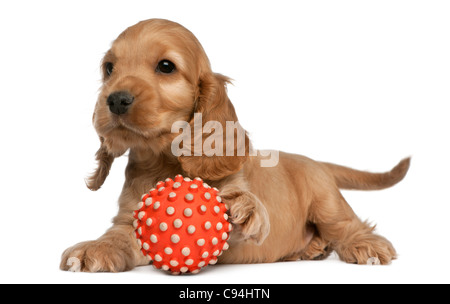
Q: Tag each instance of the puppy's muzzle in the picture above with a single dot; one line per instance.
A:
(120, 102)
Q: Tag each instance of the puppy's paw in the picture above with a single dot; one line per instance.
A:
(97, 256)
(250, 219)
(371, 250)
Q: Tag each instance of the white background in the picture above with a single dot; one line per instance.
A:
(359, 83)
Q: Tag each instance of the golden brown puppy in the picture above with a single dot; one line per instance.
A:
(156, 74)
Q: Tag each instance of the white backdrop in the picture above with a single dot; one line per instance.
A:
(359, 83)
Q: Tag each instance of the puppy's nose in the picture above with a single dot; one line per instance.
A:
(119, 102)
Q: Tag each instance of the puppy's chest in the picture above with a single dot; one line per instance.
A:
(141, 181)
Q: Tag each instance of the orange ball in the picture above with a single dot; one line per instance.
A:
(182, 225)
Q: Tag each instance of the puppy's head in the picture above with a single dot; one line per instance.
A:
(155, 74)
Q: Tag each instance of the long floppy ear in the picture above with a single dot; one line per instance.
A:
(219, 145)
(104, 162)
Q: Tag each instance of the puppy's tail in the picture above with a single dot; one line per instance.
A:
(347, 178)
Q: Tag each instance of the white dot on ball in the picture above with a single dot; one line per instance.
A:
(193, 186)
(135, 224)
(224, 236)
(172, 194)
(225, 246)
(184, 269)
(146, 246)
(212, 262)
(195, 271)
(207, 195)
(161, 189)
(189, 262)
(191, 229)
(177, 223)
(200, 242)
(216, 253)
(205, 254)
(168, 250)
(176, 185)
(170, 210)
(149, 222)
(175, 238)
(219, 199)
(219, 226)
(156, 205)
(207, 225)
(154, 238)
(186, 251)
(148, 201)
(140, 205)
(215, 241)
(206, 185)
(188, 212)
(189, 196)
(216, 209)
(139, 230)
(141, 215)
(187, 179)
(225, 216)
(163, 226)
(203, 208)
(158, 258)
(165, 267)
(201, 264)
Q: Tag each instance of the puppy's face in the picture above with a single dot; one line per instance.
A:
(150, 80)
(155, 74)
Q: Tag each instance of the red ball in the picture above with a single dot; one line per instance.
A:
(182, 225)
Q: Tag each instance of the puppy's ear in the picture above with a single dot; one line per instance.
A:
(104, 162)
(223, 146)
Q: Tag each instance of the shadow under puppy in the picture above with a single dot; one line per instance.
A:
(157, 73)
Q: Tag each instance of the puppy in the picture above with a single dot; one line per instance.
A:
(156, 75)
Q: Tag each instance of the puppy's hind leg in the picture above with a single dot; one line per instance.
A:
(316, 249)
(353, 240)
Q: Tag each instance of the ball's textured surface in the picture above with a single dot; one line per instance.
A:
(182, 225)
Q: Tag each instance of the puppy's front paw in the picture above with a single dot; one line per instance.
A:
(250, 219)
(97, 256)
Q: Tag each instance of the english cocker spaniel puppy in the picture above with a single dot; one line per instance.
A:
(155, 76)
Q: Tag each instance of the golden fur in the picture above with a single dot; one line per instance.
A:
(288, 212)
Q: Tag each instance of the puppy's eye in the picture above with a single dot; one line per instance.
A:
(109, 67)
(165, 67)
